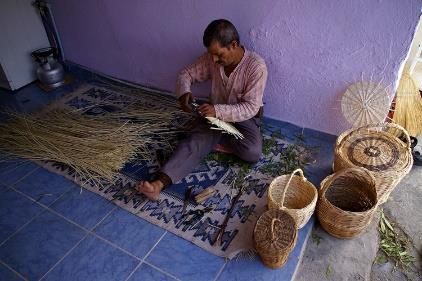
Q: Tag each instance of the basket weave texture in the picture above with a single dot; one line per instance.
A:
(275, 236)
(347, 202)
(295, 195)
(383, 149)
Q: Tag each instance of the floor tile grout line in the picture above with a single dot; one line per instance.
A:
(65, 255)
(153, 247)
(20, 228)
(146, 255)
(161, 270)
(23, 177)
(115, 246)
(22, 164)
(133, 271)
(103, 219)
(11, 269)
(79, 242)
(220, 271)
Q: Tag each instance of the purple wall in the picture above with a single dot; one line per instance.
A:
(310, 49)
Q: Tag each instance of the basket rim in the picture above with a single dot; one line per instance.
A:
(326, 183)
(309, 185)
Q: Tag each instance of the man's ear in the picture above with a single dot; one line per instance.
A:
(234, 44)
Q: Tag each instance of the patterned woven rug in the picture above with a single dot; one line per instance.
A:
(200, 223)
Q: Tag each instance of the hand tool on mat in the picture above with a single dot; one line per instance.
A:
(204, 195)
(188, 194)
(233, 204)
(195, 216)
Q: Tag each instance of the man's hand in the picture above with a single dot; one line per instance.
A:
(206, 110)
(184, 102)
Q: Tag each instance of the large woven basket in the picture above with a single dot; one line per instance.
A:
(347, 202)
(275, 236)
(295, 195)
(383, 149)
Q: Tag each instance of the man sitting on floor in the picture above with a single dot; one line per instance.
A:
(238, 81)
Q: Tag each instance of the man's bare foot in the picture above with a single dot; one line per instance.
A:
(150, 189)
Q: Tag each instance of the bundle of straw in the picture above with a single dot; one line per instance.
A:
(408, 108)
(95, 148)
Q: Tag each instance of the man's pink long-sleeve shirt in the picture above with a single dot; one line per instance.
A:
(235, 98)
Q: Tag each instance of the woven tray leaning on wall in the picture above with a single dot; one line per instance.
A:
(295, 195)
(275, 235)
(380, 149)
(347, 202)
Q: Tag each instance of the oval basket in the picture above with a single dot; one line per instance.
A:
(378, 148)
(347, 202)
(275, 235)
(295, 195)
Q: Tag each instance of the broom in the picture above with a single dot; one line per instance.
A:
(408, 108)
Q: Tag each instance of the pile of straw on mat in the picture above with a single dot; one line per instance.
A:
(96, 147)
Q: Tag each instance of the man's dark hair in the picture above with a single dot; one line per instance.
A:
(221, 31)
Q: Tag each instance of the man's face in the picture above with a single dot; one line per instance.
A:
(222, 55)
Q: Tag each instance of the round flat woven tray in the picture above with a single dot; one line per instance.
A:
(365, 102)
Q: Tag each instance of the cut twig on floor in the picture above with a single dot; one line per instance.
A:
(393, 245)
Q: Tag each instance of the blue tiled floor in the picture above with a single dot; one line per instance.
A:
(83, 207)
(129, 232)
(15, 211)
(185, 260)
(43, 186)
(94, 259)
(7, 274)
(50, 230)
(13, 171)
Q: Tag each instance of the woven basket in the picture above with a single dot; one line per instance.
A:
(347, 202)
(378, 148)
(295, 195)
(275, 236)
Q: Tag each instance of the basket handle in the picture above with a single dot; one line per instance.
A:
(386, 125)
(274, 220)
(288, 183)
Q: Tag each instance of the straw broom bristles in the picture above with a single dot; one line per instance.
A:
(408, 108)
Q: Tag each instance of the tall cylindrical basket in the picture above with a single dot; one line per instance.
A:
(347, 202)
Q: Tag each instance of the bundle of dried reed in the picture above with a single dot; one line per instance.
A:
(408, 107)
(95, 148)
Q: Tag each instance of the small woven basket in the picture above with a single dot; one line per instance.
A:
(378, 148)
(347, 202)
(275, 236)
(295, 195)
